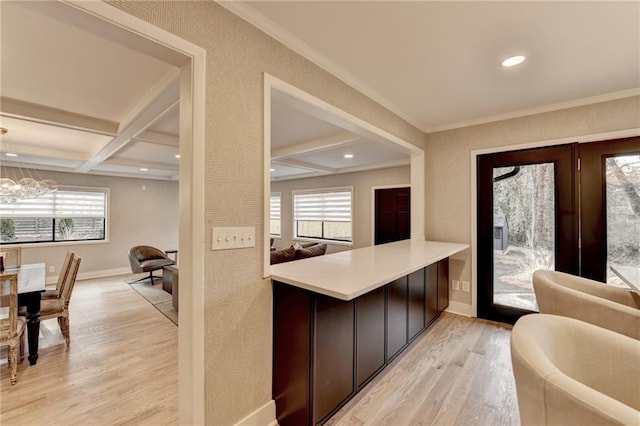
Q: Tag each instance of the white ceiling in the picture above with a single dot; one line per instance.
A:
(76, 101)
(437, 63)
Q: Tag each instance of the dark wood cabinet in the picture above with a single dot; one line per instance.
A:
(333, 354)
(370, 327)
(443, 284)
(396, 316)
(326, 349)
(431, 293)
(416, 303)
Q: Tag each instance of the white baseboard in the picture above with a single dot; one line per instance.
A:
(93, 274)
(263, 416)
(460, 308)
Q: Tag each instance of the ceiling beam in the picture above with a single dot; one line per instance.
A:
(304, 165)
(160, 99)
(38, 151)
(28, 111)
(141, 164)
(315, 145)
(158, 138)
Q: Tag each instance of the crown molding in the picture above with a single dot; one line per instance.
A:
(537, 110)
(258, 20)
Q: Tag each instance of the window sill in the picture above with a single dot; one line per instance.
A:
(330, 242)
(58, 243)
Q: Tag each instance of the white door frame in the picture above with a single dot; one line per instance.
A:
(191, 59)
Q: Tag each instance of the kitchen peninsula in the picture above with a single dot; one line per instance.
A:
(339, 319)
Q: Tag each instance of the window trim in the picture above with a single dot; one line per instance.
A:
(294, 234)
(107, 222)
(279, 194)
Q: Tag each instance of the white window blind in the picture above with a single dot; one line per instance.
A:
(323, 214)
(275, 212)
(332, 206)
(60, 204)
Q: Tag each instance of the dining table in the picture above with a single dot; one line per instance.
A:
(31, 284)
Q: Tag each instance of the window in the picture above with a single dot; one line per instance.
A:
(323, 214)
(65, 215)
(276, 203)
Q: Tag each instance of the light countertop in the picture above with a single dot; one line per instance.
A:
(349, 274)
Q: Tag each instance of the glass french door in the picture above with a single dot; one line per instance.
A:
(573, 208)
(610, 207)
(526, 205)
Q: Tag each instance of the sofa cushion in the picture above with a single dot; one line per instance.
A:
(315, 250)
(284, 255)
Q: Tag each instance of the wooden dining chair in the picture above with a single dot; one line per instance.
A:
(11, 256)
(54, 293)
(59, 307)
(11, 324)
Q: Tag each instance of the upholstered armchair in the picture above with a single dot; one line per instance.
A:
(570, 372)
(148, 259)
(614, 308)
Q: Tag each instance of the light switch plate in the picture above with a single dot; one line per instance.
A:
(455, 285)
(465, 286)
(233, 238)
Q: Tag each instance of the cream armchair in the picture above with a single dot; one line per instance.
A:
(614, 308)
(570, 372)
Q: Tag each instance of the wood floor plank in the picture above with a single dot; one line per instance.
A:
(456, 373)
(121, 367)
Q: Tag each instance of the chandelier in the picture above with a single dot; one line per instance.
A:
(22, 183)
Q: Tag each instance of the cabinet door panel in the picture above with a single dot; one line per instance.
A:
(333, 362)
(396, 316)
(291, 363)
(443, 284)
(370, 334)
(431, 296)
(416, 302)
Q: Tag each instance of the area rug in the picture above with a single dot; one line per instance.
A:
(159, 298)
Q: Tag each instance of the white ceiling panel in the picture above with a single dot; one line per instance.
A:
(290, 126)
(148, 152)
(364, 154)
(23, 135)
(47, 62)
(125, 170)
(286, 171)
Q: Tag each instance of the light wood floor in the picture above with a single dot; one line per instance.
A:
(456, 373)
(121, 367)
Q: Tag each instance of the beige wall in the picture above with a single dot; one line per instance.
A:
(237, 300)
(362, 182)
(136, 217)
(448, 163)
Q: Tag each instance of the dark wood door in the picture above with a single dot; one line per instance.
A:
(528, 198)
(396, 316)
(610, 206)
(416, 303)
(392, 215)
(333, 350)
(369, 335)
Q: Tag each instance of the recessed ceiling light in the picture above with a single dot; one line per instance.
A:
(142, 169)
(273, 170)
(177, 155)
(348, 156)
(11, 154)
(513, 61)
